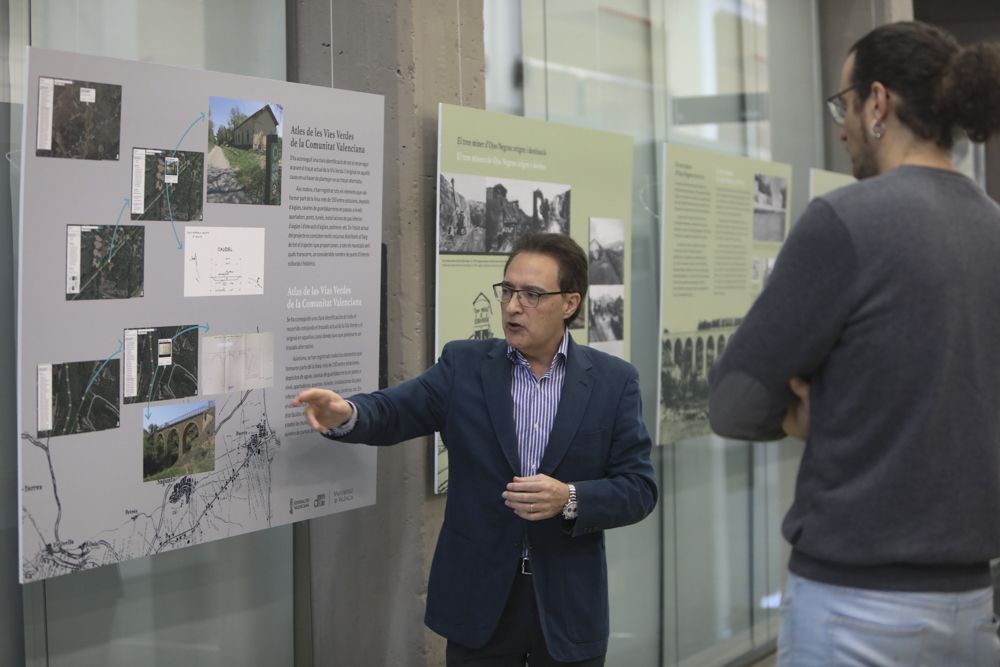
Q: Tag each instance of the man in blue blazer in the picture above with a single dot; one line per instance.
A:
(547, 449)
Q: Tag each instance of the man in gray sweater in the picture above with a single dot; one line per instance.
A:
(877, 339)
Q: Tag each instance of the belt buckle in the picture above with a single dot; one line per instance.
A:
(525, 565)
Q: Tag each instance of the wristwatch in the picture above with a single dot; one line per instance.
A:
(569, 509)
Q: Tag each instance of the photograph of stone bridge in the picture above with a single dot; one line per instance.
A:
(177, 440)
(687, 358)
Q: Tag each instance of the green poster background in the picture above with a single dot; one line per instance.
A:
(724, 220)
(822, 181)
(501, 176)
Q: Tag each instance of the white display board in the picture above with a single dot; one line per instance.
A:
(195, 249)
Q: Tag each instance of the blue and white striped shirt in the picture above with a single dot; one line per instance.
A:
(535, 404)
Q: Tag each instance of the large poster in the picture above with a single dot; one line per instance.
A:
(822, 181)
(195, 249)
(501, 177)
(724, 220)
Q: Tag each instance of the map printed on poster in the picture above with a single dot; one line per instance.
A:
(155, 169)
(724, 220)
(104, 262)
(501, 177)
(212, 250)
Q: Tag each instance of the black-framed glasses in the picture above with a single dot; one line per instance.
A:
(838, 105)
(528, 298)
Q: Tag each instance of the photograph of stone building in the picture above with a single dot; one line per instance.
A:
(252, 133)
(482, 318)
(244, 152)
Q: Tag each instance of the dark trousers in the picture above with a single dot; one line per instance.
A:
(518, 639)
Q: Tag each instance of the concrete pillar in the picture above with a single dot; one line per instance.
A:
(368, 568)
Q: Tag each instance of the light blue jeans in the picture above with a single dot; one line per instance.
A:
(825, 625)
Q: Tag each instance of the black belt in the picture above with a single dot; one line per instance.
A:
(524, 565)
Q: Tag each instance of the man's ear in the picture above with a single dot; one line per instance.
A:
(571, 304)
(882, 102)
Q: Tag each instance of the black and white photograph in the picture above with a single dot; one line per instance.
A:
(607, 251)
(607, 319)
(768, 269)
(770, 208)
(483, 318)
(461, 213)
(511, 209)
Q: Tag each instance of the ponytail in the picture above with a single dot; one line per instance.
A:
(970, 91)
(940, 86)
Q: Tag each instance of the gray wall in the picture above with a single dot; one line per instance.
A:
(366, 582)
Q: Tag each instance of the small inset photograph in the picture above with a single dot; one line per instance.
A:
(160, 363)
(244, 152)
(607, 313)
(78, 119)
(178, 439)
(461, 213)
(770, 207)
(237, 362)
(104, 262)
(607, 319)
(171, 170)
(77, 397)
(167, 185)
(485, 311)
(768, 269)
(607, 251)
(512, 208)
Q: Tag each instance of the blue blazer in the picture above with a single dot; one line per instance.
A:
(598, 442)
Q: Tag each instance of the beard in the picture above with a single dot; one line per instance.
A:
(865, 163)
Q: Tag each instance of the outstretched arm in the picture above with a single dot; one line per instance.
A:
(324, 409)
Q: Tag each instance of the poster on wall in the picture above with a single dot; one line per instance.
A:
(724, 219)
(822, 181)
(501, 177)
(195, 249)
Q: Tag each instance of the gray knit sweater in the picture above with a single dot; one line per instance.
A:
(886, 298)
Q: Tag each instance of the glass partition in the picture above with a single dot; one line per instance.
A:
(223, 603)
(13, 34)
(731, 76)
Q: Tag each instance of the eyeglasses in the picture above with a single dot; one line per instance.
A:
(838, 105)
(528, 298)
